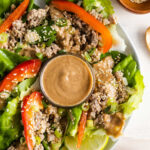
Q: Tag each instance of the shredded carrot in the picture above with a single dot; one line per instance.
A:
(81, 128)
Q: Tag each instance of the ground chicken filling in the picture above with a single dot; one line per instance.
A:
(70, 35)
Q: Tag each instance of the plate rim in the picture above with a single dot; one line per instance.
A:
(129, 45)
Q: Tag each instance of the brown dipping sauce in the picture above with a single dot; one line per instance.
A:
(67, 80)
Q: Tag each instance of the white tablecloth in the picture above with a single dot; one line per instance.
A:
(137, 133)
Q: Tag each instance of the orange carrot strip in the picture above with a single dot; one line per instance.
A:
(81, 128)
(18, 12)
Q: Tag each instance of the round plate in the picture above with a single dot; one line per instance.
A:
(130, 49)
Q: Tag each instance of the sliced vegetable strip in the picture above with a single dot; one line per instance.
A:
(81, 128)
(73, 120)
(18, 12)
(27, 69)
(31, 104)
(87, 18)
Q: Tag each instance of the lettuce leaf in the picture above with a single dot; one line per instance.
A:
(93, 4)
(135, 80)
(129, 67)
(130, 71)
(9, 60)
(117, 56)
(5, 5)
(23, 88)
(123, 64)
(112, 106)
(133, 102)
(10, 125)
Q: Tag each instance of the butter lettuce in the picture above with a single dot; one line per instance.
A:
(5, 5)
(129, 67)
(94, 4)
(123, 64)
(117, 56)
(9, 60)
(10, 125)
(133, 102)
(112, 106)
(23, 88)
(135, 80)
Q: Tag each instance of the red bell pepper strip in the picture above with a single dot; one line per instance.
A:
(87, 18)
(81, 128)
(31, 104)
(27, 69)
(18, 12)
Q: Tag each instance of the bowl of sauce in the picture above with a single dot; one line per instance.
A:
(137, 6)
(67, 80)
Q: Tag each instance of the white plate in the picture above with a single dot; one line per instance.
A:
(130, 49)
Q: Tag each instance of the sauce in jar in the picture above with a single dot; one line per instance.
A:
(67, 80)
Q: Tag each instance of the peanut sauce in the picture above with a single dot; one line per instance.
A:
(67, 80)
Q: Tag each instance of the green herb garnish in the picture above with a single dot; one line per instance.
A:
(61, 22)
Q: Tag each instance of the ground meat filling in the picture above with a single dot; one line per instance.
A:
(85, 37)
(122, 92)
(109, 86)
(35, 17)
(45, 123)
(16, 35)
(18, 146)
(113, 123)
(75, 37)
